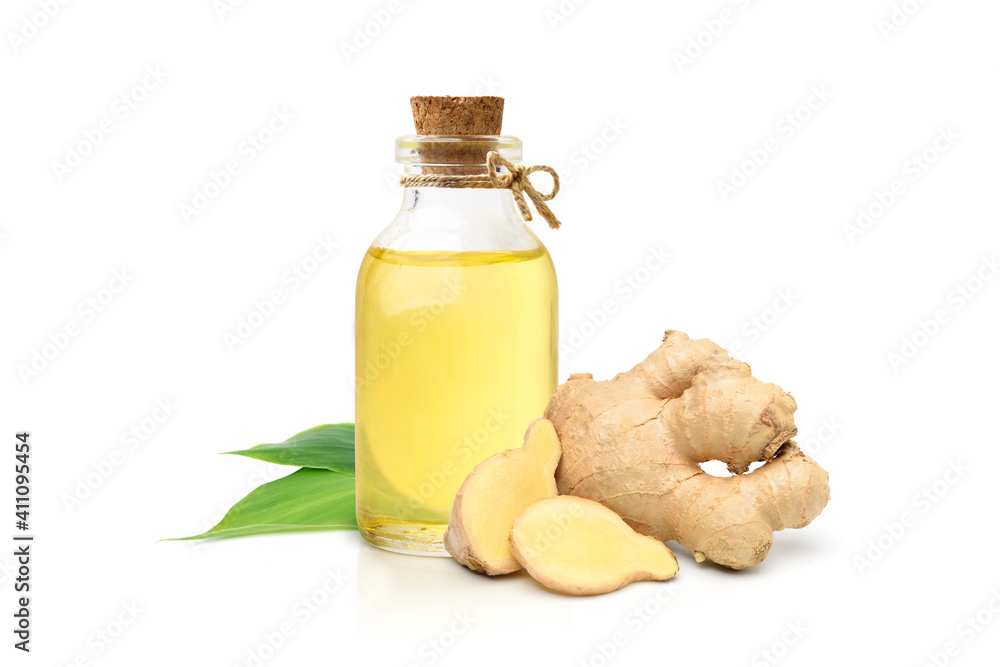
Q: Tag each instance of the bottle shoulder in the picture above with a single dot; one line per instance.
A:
(458, 221)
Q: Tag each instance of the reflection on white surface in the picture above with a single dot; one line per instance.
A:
(428, 605)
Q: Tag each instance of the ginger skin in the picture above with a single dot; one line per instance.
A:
(579, 547)
(494, 494)
(634, 443)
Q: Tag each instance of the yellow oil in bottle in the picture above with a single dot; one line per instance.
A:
(455, 355)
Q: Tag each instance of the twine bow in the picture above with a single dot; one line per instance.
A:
(516, 179)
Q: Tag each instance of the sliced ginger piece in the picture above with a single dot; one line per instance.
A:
(494, 494)
(580, 547)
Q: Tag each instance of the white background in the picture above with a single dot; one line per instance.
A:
(642, 140)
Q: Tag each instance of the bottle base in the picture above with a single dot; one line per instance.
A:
(417, 539)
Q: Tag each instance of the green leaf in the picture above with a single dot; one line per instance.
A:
(308, 499)
(330, 446)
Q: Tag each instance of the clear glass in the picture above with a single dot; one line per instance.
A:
(456, 343)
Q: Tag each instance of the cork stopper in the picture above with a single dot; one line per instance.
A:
(478, 118)
(457, 115)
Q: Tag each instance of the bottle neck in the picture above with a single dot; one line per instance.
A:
(467, 203)
(456, 219)
(456, 201)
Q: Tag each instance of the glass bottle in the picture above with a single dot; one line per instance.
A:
(456, 342)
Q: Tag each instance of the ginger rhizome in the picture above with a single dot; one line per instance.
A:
(494, 494)
(580, 547)
(634, 444)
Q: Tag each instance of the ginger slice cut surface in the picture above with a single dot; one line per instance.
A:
(580, 547)
(494, 494)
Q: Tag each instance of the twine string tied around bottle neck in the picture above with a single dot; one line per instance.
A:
(516, 179)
